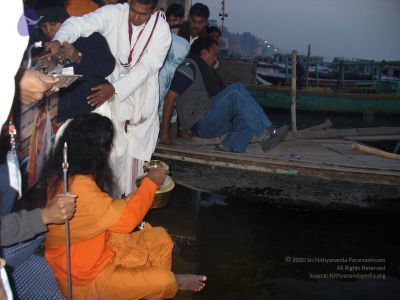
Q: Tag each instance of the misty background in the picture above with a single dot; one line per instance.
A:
(367, 29)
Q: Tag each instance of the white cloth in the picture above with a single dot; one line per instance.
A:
(6, 284)
(137, 88)
(15, 32)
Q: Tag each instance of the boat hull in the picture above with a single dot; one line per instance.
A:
(289, 184)
(280, 98)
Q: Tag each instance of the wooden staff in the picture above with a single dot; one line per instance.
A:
(293, 105)
(67, 243)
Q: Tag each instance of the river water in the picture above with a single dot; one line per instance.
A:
(258, 251)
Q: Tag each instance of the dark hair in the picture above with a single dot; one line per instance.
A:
(214, 29)
(203, 42)
(52, 14)
(38, 4)
(175, 10)
(199, 10)
(89, 140)
(148, 2)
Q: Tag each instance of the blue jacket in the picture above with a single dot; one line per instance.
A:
(176, 54)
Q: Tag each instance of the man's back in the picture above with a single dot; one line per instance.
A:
(193, 100)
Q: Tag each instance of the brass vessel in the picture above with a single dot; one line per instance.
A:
(155, 164)
(164, 191)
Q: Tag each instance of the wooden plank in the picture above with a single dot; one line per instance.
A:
(272, 165)
(334, 133)
(327, 124)
(375, 151)
(374, 138)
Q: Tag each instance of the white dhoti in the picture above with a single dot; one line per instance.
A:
(139, 52)
(135, 138)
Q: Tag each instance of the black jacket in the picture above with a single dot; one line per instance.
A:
(97, 62)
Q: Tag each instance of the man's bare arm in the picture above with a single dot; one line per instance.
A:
(168, 107)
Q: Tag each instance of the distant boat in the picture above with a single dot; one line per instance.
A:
(276, 73)
(327, 99)
(348, 72)
(378, 97)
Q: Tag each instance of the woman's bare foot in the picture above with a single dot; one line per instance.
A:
(189, 282)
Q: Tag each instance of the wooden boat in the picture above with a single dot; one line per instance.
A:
(327, 99)
(381, 97)
(299, 172)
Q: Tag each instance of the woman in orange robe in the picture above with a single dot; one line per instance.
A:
(108, 259)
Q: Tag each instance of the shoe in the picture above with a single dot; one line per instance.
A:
(224, 149)
(276, 137)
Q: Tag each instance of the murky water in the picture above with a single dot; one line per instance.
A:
(255, 251)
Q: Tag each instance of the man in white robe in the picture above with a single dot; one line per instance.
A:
(139, 38)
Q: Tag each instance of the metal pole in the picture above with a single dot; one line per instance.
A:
(223, 15)
(67, 242)
(287, 70)
(342, 72)
(372, 70)
(381, 70)
(293, 105)
(222, 27)
(308, 64)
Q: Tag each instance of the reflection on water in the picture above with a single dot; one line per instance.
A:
(255, 251)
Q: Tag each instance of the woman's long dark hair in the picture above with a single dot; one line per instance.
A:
(89, 139)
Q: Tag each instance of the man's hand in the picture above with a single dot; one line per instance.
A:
(68, 51)
(168, 107)
(59, 209)
(157, 175)
(187, 134)
(101, 93)
(166, 139)
(34, 84)
(52, 47)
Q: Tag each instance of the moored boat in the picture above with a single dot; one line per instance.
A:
(378, 97)
(327, 99)
(298, 172)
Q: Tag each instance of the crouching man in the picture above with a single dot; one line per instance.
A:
(206, 109)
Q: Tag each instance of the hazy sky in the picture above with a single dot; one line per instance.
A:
(367, 29)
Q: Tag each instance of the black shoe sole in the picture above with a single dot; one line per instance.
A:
(274, 140)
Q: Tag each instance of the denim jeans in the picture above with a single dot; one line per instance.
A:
(233, 112)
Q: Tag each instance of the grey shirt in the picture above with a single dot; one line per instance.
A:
(193, 100)
(20, 226)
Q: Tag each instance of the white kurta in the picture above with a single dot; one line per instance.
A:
(137, 89)
(15, 32)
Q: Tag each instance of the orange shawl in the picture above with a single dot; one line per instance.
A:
(97, 215)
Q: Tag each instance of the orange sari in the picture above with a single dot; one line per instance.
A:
(107, 260)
